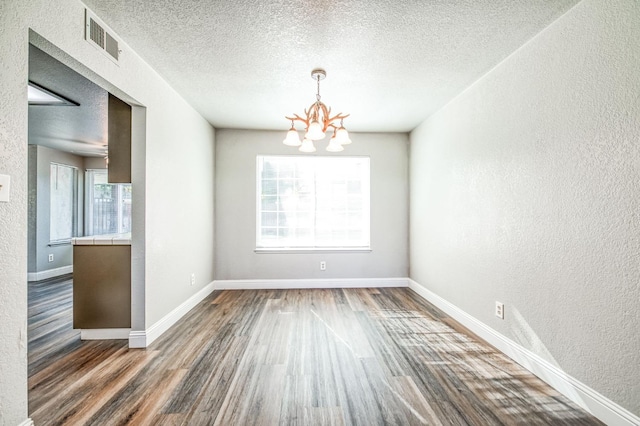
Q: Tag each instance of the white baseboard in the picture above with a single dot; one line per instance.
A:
(27, 422)
(138, 339)
(309, 283)
(143, 338)
(104, 333)
(49, 273)
(601, 407)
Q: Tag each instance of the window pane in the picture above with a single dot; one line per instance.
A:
(269, 232)
(354, 187)
(269, 219)
(108, 205)
(269, 203)
(269, 171)
(311, 202)
(284, 232)
(286, 170)
(125, 208)
(63, 181)
(270, 187)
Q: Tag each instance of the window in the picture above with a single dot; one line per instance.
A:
(312, 203)
(63, 221)
(108, 205)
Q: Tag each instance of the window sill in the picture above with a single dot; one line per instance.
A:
(59, 243)
(312, 250)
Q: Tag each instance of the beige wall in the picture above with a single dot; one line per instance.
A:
(236, 152)
(526, 189)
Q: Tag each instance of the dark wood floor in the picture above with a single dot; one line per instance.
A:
(289, 357)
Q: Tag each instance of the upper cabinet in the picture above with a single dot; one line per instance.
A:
(119, 141)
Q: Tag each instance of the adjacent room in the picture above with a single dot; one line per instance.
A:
(320, 213)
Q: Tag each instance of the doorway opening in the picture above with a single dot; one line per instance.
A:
(68, 157)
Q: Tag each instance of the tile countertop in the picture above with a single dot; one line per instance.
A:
(103, 240)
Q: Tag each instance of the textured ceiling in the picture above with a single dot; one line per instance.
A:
(247, 63)
(81, 129)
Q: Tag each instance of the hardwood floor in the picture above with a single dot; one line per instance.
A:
(50, 331)
(293, 357)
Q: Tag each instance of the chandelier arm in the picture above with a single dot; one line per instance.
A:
(296, 117)
(330, 121)
(323, 107)
(339, 116)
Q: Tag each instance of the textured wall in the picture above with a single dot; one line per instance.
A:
(236, 152)
(177, 185)
(13, 219)
(525, 189)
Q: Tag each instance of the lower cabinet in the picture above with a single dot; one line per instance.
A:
(101, 286)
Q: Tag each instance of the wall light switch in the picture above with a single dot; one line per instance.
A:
(5, 185)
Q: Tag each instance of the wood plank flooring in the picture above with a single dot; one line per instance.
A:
(291, 357)
(50, 330)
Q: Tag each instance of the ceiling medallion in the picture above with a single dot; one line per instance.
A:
(316, 121)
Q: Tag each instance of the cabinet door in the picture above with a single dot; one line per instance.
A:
(101, 286)
(119, 141)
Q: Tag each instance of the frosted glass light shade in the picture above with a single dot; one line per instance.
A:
(307, 146)
(314, 132)
(292, 138)
(342, 136)
(334, 146)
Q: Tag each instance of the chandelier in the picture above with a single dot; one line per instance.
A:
(316, 121)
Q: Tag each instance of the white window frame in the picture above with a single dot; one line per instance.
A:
(362, 245)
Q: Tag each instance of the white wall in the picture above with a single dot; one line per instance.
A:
(525, 189)
(236, 152)
(176, 187)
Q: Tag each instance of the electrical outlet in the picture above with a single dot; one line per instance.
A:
(323, 265)
(193, 279)
(500, 310)
(50, 257)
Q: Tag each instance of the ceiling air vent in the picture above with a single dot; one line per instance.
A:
(101, 37)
